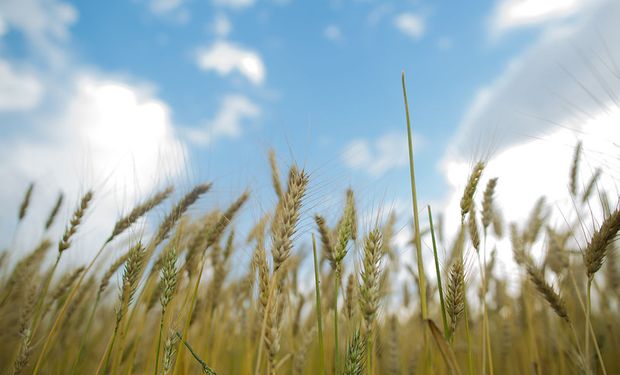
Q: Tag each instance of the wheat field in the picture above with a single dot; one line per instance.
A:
(177, 303)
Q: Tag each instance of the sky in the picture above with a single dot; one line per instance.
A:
(126, 96)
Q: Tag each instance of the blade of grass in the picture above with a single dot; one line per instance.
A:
(414, 198)
(444, 319)
(319, 316)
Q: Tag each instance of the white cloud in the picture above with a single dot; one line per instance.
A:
(410, 24)
(510, 14)
(45, 24)
(333, 33)
(234, 4)
(19, 90)
(109, 135)
(566, 77)
(375, 158)
(226, 57)
(228, 122)
(221, 26)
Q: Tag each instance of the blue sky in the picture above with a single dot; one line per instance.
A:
(125, 95)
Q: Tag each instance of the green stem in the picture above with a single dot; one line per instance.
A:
(205, 368)
(587, 336)
(319, 317)
(414, 198)
(161, 328)
(336, 354)
(369, 352)
(444, 319)
(470, 358)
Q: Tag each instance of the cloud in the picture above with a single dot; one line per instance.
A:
(221, 26)
(228, 122)
(378, 157)
(106, 134)
(333, 33)
(225, 57)
(509, 14)
(410, 24)
(234, 4)
(45, 24)
(566, 77)
(19, 90)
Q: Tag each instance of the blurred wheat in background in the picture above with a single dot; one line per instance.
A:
(252, 187)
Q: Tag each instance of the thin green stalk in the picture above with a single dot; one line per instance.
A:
(470, 357)
(369, 344)
(414, 198)
(205, 368)
(587, 336)
(444, 319)
(161, 328)
(598, 352)
(336, 354)
(319, 317)
(485, 325)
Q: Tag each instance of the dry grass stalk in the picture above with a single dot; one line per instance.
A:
(549, 294)
(54, 212)
(472, 226)
(455, 293)
(350, 297)
(275, 174)
(591, 185)
(76, 219)
(574, 170)
(170, 349)
(369, 286)
(131, 277)
(325, 235)
(470, 189)
(487, 203)
(596, 249)
(140, 210)
(286, 217)
(105, 280)
(21, 362)
(177, 211)
(23, 207)
(168, 278)
(301, 356)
